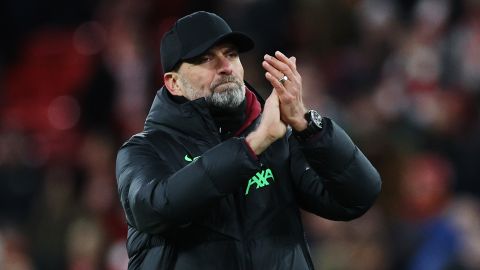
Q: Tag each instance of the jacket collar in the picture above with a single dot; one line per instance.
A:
(192, 117)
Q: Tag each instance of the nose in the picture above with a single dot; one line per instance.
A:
(225, 66)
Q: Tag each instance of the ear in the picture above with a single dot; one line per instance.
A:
(170, 79)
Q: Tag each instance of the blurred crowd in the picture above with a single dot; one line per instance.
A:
(402, 77)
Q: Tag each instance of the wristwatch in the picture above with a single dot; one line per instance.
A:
(314, 125)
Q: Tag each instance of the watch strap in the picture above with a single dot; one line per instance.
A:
(314, 125)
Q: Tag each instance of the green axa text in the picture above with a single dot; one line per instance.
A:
(260, 179)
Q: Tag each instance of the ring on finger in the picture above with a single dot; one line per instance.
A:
(283, 79)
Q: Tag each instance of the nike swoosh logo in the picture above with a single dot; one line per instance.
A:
(189, 159)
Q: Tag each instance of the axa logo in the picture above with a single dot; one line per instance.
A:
(260, 180)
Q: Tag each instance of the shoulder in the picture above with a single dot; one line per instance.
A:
(143, 145)
(147, 139)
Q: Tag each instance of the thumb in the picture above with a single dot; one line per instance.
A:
(273, 98)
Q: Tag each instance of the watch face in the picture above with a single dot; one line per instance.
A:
(316, 118)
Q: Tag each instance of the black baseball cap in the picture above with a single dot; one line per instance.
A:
(194, 34)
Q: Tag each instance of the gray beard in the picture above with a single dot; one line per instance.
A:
(229, 98)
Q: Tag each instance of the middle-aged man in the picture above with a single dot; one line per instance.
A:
(213, 183)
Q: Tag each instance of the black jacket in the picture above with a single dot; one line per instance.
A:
(193, 201)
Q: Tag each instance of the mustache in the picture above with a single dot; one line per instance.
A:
(226, 79)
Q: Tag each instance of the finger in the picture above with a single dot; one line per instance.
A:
(291, 85)
(280, 66)
(273, 98)
(276, 63)
(283, 94)
(274, 95)
(282, 57)
(291, 62)
(293, 59)
(273, 71)
(275, 83)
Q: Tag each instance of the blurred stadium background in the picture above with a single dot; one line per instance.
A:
(402, 77)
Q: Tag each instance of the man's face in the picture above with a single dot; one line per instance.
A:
(216, 75)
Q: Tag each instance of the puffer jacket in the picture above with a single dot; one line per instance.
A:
(193, 201)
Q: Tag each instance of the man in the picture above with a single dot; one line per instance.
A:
(213, 184)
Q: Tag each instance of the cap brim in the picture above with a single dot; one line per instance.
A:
(240, 40)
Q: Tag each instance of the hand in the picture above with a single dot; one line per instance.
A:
(289, 92)
(271, 127)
